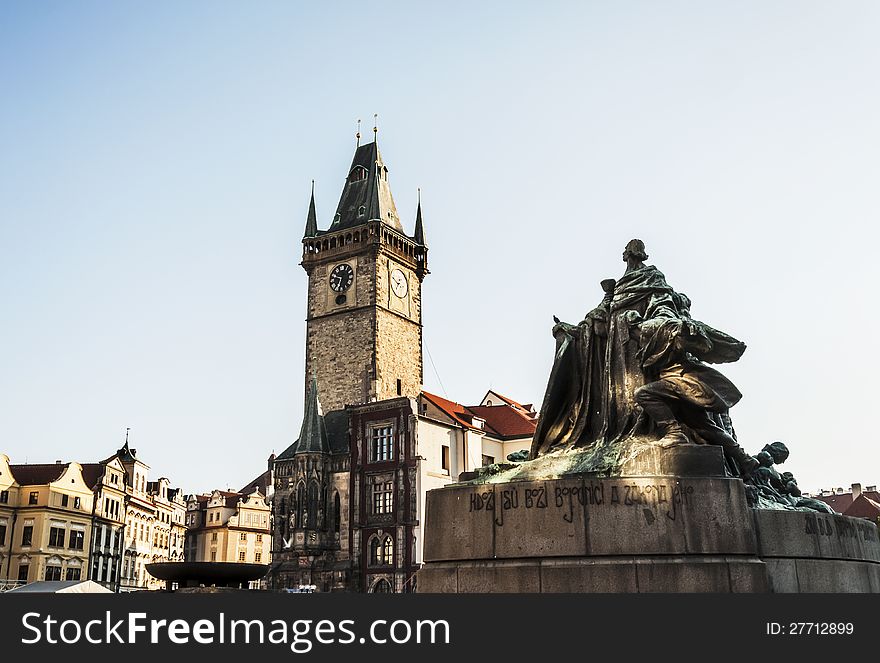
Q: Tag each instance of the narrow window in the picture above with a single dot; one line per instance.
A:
(399, 387)
(444, 460)
(27, 535)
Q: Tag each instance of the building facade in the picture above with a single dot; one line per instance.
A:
(226, 526)
(45, 522)
(348, 508)
(100, 521)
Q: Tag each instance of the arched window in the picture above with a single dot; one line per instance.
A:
(387, 551)
(337, 513)
(374, 551)
(382, 586)
(357, 174)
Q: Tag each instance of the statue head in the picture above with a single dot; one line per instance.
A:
(764, 458)
(634, 251)
(777, 450)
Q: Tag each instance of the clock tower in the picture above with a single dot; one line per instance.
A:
(364, 324)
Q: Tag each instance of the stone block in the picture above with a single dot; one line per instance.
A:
(585, 575)
(782, 572)
(682, 575)
(835, 576)
(438, 579)
(815, 535)
(539, 519)
(459, 523)
(499, 577)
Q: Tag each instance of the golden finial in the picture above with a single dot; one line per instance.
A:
(375, 125)
(358, 135)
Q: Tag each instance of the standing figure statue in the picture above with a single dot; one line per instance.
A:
(633, 371)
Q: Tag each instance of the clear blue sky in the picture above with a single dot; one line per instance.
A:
(156, 158)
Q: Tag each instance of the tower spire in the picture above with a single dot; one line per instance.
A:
(358, 135)
(419, 236)
(312, 218)
(313, 434)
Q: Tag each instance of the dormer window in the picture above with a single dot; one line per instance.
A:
(357, 174)
(362, 210)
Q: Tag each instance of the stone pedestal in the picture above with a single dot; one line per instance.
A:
(658, 533)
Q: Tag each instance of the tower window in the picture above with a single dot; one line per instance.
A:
(357, 174)
(399, 387)
(362, 210)
(382, 494)
(382, 447)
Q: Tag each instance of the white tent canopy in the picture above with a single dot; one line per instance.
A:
(61, 587)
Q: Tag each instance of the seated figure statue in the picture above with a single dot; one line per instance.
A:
(635, 369)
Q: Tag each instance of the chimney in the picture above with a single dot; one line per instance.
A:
(856, 491)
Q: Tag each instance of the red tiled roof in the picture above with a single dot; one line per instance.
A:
(502, 420)
(505, 420)
(456, 411)
(864, 506)
(840, 502)
(38, 474)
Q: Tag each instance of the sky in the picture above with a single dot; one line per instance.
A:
(156, 161)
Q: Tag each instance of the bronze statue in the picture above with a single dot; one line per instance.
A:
(633, 371)
(774, 490)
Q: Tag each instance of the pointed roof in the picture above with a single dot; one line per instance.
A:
(419, 235)
(312, 218)
(313, 434)
(366, 195)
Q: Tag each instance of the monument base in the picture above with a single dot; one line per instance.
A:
(637, 534)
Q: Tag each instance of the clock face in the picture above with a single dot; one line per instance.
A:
(341, 277)
(398, 283)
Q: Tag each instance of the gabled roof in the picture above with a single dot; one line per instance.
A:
(455, 411)
(528, 407)
(502, 421)
(37, 474)
(370, 192)
(505, 420)
(864, 507)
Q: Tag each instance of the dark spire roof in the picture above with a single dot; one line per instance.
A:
(366, 195)
(125, 454)
(312, 218)
(313, 434)
(419, 236)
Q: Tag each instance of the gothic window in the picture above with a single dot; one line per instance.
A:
(374, 551)
(382, 443)
(313, 505)
(382, 586)
(302, 507)
(337, 515)
(382, 496)
(357, 174)
(387, 551)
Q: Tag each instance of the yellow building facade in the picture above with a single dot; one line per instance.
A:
(45, 522)
(228, 527)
